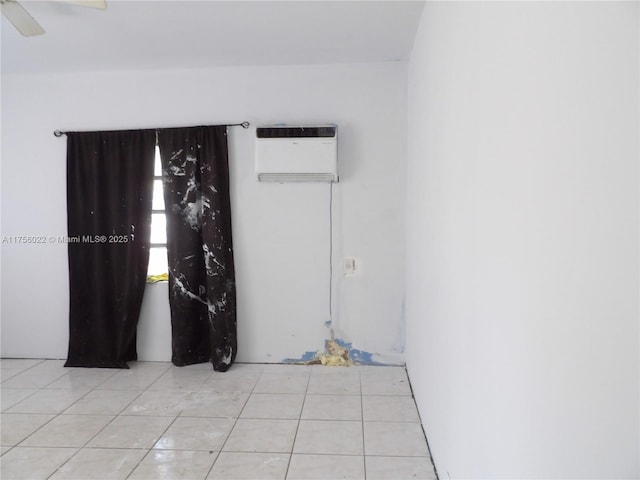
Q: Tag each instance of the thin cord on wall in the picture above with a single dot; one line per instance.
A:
(331, 260)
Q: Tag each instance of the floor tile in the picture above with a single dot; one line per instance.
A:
(154, 366)
(103, 402)
(37, 375)
(382, 370)
(52, 364)
(33, 378)
(281, 383)
(213, 404)
(332, 407)
(166, 403)
(249, 466)
(100, 464)
(193, 368)
(68, 431)
(329, 437)
(22, 463)
(174, 465)
(253, 435)
(399, 468)
(187, 433)
(138, 378)
(83, 378)
(389, 408)
(333, 384)
(323, 467)
(131, 432)
(384, 381)
(286, 369)
(243, 382)
(382, 386)
(273, 405)
(48, 401)
(394, 439)
(104, 421)
(18, 363)
(336, 371)
(10, 396)
(16, 427)
(181, 379)
(237, 368)
(7, 373)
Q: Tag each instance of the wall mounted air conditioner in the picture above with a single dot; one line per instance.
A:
(297, 153)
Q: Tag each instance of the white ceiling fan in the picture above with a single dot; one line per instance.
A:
(27, 25)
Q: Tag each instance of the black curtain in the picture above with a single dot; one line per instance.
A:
(109, 193)
(201, 272)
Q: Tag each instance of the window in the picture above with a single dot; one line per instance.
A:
(158, 252)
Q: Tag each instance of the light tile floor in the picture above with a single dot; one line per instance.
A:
(156, 421)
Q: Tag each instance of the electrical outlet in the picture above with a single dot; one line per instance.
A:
(351, 266)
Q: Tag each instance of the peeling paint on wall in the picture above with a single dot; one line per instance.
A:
(336, 353)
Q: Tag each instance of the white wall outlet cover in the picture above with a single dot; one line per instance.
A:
(352, 266)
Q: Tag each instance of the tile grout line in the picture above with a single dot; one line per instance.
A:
(21, 372)
(20, 401)
(36, 430)
(28, 368)
(364, 453)
(295, 435)
(424, 433)
(32, 367)
(150, 449)
(234, 425)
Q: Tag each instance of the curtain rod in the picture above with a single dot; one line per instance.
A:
(59, 133)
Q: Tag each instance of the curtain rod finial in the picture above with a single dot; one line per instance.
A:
(58, 133)
(245, 124)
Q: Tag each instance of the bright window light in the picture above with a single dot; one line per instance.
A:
(158, 252)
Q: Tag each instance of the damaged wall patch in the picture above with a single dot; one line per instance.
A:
(336, 353)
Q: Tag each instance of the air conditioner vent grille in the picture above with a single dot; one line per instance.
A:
(297, 177)
(296, 132)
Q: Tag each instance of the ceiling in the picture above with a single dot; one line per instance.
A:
(199, 34)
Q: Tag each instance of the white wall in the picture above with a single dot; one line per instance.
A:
(522, 281)
(281, 232)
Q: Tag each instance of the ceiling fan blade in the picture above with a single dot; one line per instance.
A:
(20, 18)
(99, 4)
